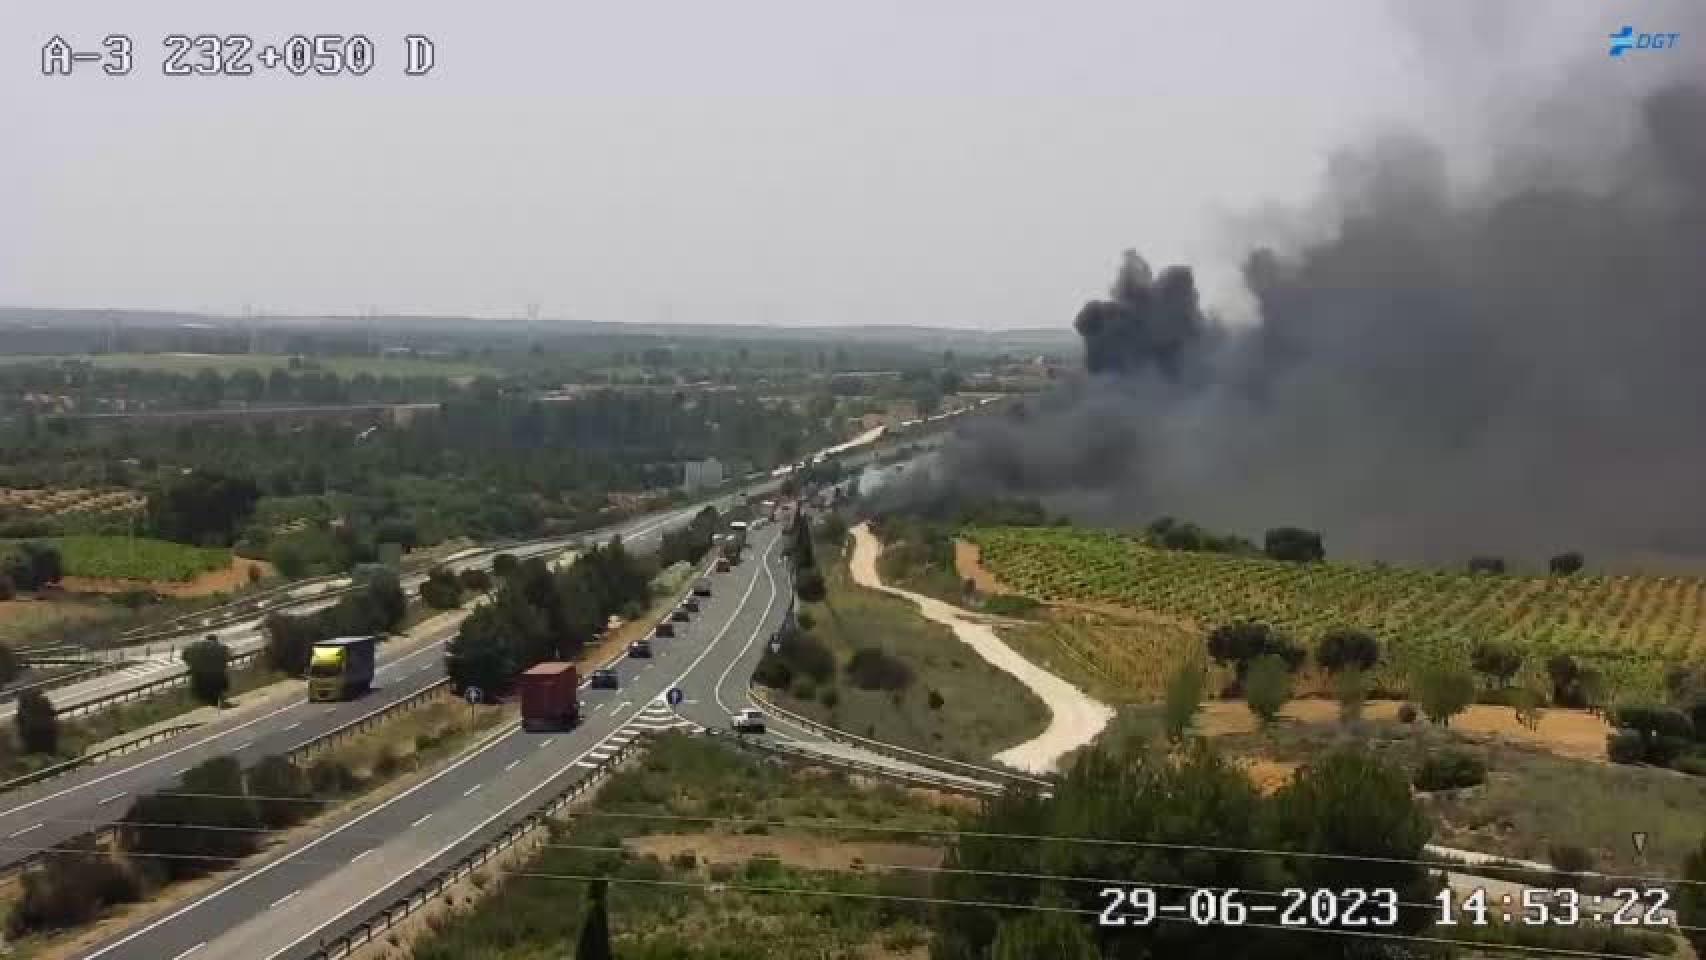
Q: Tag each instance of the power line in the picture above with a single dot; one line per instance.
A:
(1000, 905)
(833, 823)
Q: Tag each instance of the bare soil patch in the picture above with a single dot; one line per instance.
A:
(1575, 734)
(969, 565)
(228, 580)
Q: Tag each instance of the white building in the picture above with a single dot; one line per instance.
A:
(700, 474)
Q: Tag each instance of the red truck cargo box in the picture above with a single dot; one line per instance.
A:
(550, 696)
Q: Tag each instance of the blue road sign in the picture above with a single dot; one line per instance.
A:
(673, 696)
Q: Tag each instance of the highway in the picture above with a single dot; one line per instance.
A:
(364, 860)
(367, 859)
(52, 811)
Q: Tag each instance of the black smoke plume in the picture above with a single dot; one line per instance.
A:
(1516, 369)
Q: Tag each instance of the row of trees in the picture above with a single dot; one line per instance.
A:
(30, 565)
(377, 607)
(537, 615)
(1263, 660)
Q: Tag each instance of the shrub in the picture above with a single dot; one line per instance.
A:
(208, 661)
(828, 697)
(1407, 713)
(38, 722)
(1486, 563)
(1445, 690)
(1450, 769)
(388, 763)
(1653, 720)
(475, 579)
(1569, 858)
(1011, 605)
(1565, 564)
(330, 777)
(280, 789)
(804, 688)
(936, 700)
(1692, 763)
(873, 668)
(773, 672)
(1294, 545)
(71, 889)
(1625, 746)
(1345, 647)
(1267, 688)
(805, 620)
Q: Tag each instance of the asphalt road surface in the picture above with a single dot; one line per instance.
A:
(55, 810)
(285, 904)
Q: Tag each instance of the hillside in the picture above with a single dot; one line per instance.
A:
(1632, 625)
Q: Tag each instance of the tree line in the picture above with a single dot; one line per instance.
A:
(378, 606)
(537, 615)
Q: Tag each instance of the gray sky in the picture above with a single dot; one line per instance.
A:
(954, 163)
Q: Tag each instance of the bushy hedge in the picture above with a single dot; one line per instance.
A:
(873, 668)
(1450, 769)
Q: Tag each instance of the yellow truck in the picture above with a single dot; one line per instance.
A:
(341, 668)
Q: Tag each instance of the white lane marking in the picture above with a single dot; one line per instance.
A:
(287, 896)
(286, 858)
(291, 727)
(110, 799)
(362, 854)
(545, 743)
(180, 771)
(137, 766)
(424, 818)
(191, 950)
(470, 791)
(246, 744)
(543, 781)
(717, 688)
(426, 648)
(19, 833)
(512, 765)
(589, 766)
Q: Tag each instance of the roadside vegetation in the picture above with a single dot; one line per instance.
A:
(677, 882)
(164, 838)
(74, 736)
(872, 665)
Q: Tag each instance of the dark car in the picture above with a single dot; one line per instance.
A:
(681, 615)
(691, 604)
(605, 679)
(640, 648)
(665, 629)
(703, 587)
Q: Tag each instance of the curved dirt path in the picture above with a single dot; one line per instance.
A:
(1076, 719)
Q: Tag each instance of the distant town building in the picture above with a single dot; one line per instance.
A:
(701, 474)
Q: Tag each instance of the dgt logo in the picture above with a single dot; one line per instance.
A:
(1626, 39)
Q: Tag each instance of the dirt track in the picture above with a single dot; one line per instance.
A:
(1076, 719)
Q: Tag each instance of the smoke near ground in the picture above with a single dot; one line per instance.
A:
(1515, 368)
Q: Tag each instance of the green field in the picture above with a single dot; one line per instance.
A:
(1632, 625)
(124, 558)
(266, 363)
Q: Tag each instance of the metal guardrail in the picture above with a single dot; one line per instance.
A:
(367, 721)
(433, 887)
(952, 784)
(96, 756)
(894, 751)
(63, 680)
(301, 751)
(148, 688)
